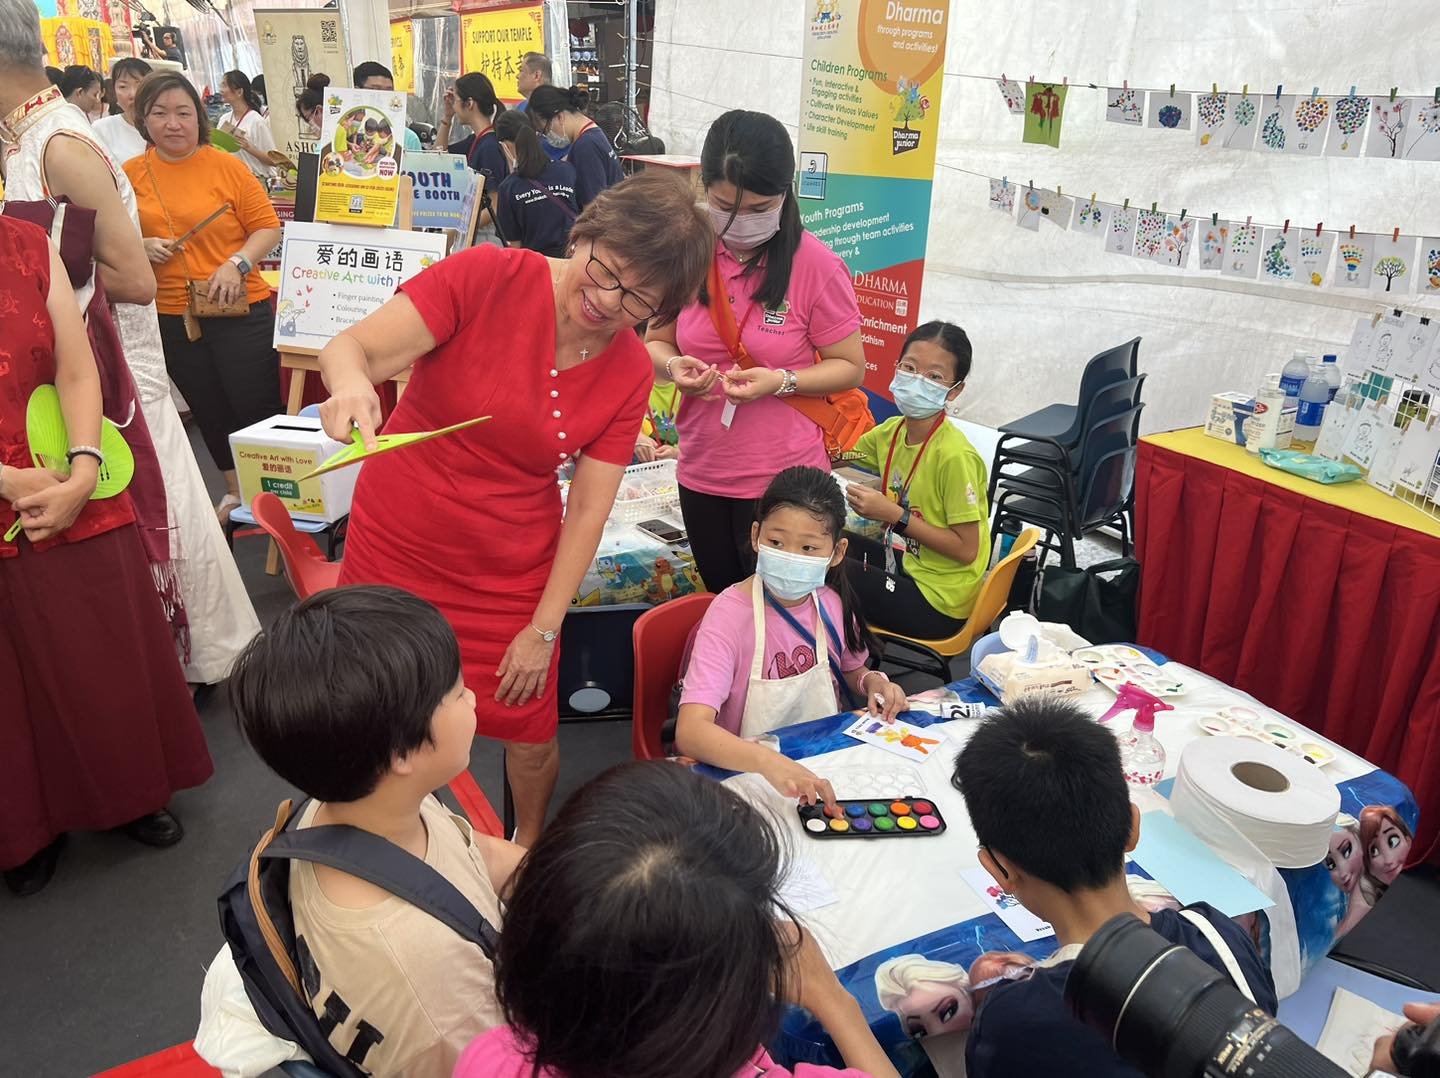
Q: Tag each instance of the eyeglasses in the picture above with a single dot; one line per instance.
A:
(930, 376)
(606, 280)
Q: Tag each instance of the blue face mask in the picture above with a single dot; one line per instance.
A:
(917, 396)
(790, 576)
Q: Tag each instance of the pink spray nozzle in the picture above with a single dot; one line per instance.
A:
(1131, 697)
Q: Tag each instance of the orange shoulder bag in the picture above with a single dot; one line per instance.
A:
(842, 417)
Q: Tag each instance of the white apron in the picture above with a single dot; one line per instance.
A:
(775, 702)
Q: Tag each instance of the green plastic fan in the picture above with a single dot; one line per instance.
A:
(223, 140)
(49, 443)
(384, 443)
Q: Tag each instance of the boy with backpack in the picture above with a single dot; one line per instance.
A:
(355, 696)
(1051, 811)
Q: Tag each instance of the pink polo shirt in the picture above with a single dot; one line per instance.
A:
(498, 1054)
(767, 434)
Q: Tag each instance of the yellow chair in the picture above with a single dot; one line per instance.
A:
(994, 592)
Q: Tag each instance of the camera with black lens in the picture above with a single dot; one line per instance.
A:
(1171, 1015)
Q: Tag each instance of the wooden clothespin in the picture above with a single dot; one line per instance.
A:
(1247, 222)
(1032, 185)
(1127, 205)
(1214, 89)
(1437, 95)
(1314, 92)
(1057, 190)
(1182, 215)
(1278, 87)
(1172, 89)
(1214, 219)
(1286, 230)
(1153, 205)
(1317, 228)
(1004, 180)
(1352, 91)
(1092, 198)
(1245, 90)
(1125, 84)
(1352, 232)
(1003, 78)
(1393, 91)
(1065, 80)
(1395, 237)
(1032, 80)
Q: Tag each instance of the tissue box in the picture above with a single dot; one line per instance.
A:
(1228, 412)
(1011, 678)
(272, 455)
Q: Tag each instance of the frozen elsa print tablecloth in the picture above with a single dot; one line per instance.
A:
(906, 932)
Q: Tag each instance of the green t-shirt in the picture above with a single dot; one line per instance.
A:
(948, 489)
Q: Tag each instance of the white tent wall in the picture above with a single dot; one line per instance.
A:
(1037, 306)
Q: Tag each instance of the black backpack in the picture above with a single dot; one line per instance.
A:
(256, 919)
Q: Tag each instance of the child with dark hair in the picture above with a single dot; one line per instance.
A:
(1049, 806)
(785, 645)
(535, 203)
(560, 118)
(380, 718)
(648, 939)
(923, 576)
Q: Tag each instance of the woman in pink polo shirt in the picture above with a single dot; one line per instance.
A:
(791, 297)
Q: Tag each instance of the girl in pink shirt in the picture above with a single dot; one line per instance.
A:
(642, 941)
(786, 645)
(791, 297)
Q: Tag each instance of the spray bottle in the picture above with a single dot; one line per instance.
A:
(1142, 757)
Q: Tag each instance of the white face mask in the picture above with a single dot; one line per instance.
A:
(748, 230)
(917, 396)
(790, 576)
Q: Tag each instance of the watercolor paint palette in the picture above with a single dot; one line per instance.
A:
(1110, 655)
(1241, 721)
(1153, 679)
(900, 817)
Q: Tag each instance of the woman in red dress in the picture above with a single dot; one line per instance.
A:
(472, 521)
(97, 728)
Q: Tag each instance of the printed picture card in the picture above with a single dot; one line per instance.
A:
(913, 743)
(1006, 906)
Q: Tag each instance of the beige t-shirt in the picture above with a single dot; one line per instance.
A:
(404, 993)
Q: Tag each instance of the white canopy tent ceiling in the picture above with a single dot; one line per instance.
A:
(1037, 305)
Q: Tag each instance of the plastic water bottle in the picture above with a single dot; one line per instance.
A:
(1314, 396)
(1330, 368)
(1293, 375)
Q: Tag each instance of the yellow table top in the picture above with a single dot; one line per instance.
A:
(1358, 497)
(272, 278)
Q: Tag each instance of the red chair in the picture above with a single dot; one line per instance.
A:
(659, 637)
(305, 566)
(178, 1062)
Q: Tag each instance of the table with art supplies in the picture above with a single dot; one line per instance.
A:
(1322, 601)
(906, 914)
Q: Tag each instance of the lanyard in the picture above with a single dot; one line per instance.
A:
(809, 638)
(894, 441)
(474, 155)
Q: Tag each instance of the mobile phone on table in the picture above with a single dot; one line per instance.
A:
(663, 530)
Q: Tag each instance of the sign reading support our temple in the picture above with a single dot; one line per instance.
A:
(869, 124)
(331, 276)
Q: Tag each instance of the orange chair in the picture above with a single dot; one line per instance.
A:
(305, 566)
(994, 594)
(659, 637)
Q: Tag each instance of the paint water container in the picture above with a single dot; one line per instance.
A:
(1314, 396)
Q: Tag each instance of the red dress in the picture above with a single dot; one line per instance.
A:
(471, 521)
(97, 725)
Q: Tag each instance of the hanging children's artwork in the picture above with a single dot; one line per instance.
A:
(1315, 251)
(1012, 93)
(1385, 338)
(1363, 438)
(1388, 121)
(1412, 352)
(1091, 217)
(1170, 111)
(1281, 254)
(1242, 120)
(1176, 242)
(1211, 241)
(1149, 233)
(1056, 208)
(1310, 123)
(1352, 267)
(1381, 475)
(1209, 118)
(1428, 268)
(1124, 106)
(1357, 355)
(1002, 196)
(1031, 202)
(1423, 130)
(1274, 128)
(1391, 261)
(1415, 465)
(1334, 430)
(1120, 240)
(1044, 113)
(1242, 253)
(1347, 126)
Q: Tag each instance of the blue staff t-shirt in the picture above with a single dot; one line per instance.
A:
(1024, 1029)
(596, 166)
(533, 212)
(485, 156)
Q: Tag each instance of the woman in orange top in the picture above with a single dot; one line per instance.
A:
(230, 374)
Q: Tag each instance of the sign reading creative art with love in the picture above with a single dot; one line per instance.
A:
(331, 276)
(869, 124)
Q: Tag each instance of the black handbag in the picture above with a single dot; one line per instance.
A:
(1099, 602)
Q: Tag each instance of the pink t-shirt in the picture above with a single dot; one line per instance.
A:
(497, 1054)
(766, 434)
(719, 671)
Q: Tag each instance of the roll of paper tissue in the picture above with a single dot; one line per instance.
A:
(1284, 806)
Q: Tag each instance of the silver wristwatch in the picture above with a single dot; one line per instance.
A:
(547, 635)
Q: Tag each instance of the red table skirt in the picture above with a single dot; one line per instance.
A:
(1328, 616)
